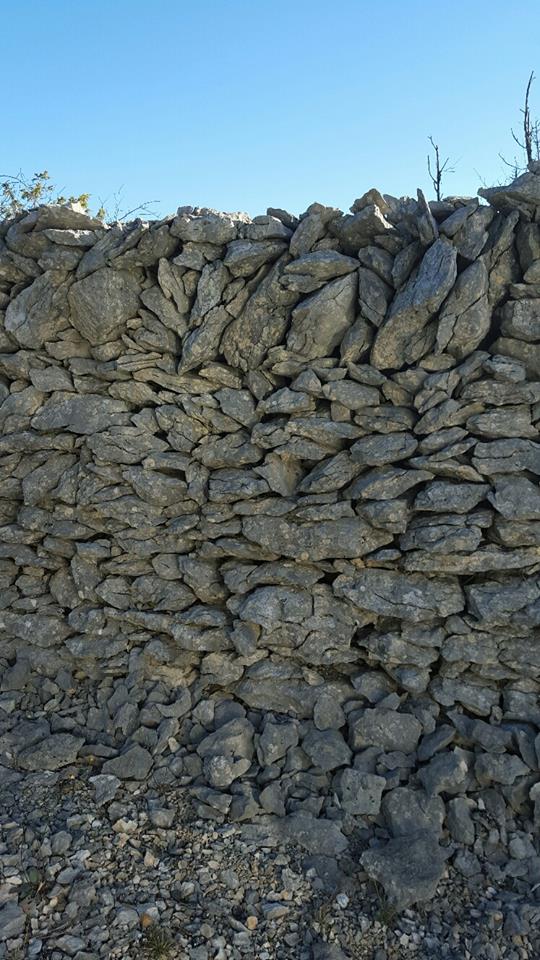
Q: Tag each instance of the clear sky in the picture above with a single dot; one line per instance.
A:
(242, 104)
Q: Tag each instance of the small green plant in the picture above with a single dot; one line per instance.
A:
(19, 192)
(385, 913)
(157, 942)
(32, 884)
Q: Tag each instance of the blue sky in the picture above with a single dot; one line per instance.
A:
(241, 105)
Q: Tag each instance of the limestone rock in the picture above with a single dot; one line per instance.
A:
(386, 729)
(39, 311)
(522, 194)
(319, 323)
(53, 753)
(408, 868)
(315, 540)
(102, 302)
(392, 594)
(402, 339)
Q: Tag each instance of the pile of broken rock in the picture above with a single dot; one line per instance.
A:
(268, 495)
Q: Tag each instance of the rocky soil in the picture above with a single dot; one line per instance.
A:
(120, 857)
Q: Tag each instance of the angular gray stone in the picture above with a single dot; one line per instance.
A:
(350, 394)
(465, 316)
(386, 484)
(233, 740)
(392, 594)
(374, 295)
(359, 229)
(402, 338)
(380, 450)
(407, 810)
(443, 533)
(511, 421)
(502, 768)
(327, 749)
(360, 793)
(441, 496)
(460, 821)
(86, 414)
(322, 264)
(521, 319)
(327, 714)
(501, 604)
(314, 540)
(101, 304)
(506, 456)
(408, 868)
(262, 323)
(319, 323)
(516, 499)
(53, 753)
(523, 193)
(39, 311)
(245, 257)
(331, 474)
(201, 345)
(221, 771)
(203, 226)
(321, 836)
(106, 787)
(275, 740)
(386, 729)
(12, 920)
(445, 773)
(134, 764)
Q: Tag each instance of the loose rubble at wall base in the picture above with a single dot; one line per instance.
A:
(269, 554)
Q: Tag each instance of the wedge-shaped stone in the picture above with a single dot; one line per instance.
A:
(358, 229)
(441, 534)
(483, 560)
(521, 319)
(387, 448)
(317, 540)
(203, 226)
(262, 323)
(85, 414)
(408, 868)
(39, 311)
(412, 597)
(386, 483)
(441, 496)
(244, 257)
(351, 394)
(331, 474)
(516, 498)
(401, 339)
(101, 304)
(522, 194)
(497, 604)
(321, 320)
(323, 265)
(511, 421)
(506, 456)
(386, 729)
(465, 316)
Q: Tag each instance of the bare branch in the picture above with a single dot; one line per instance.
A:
(529, 143)
(436, 175)
(527, 124)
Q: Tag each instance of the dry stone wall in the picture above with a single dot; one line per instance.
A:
(287, 466)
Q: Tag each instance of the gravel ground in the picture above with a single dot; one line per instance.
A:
(93, 866)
